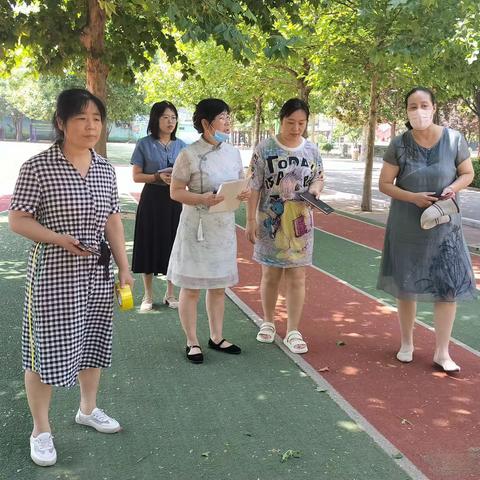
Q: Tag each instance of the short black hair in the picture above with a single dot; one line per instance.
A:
(420, 89)
(292, 105)
(208, 109)
(72, 102)
(415, 90)
(157, 110)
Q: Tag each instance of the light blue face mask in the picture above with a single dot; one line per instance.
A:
(221, 136)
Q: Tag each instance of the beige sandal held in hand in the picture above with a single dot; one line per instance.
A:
(266, 333)
(295, 343)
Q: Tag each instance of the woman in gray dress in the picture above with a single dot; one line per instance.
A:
(425, 163)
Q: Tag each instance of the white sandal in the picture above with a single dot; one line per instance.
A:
(295, 343)
(266, 333)
(170, 301)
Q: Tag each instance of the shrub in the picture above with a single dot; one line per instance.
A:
(327, 147)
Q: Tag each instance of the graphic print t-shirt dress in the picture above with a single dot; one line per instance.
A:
(284, 227)
(67, 316)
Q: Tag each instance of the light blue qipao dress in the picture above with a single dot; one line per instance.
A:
(204, 253)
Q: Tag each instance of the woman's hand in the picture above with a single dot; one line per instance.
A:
(125, 278)
(70, 244)
(316, 187)
(163, 177)
(166, 177)
(423, 199)
(209, 199)
(244, 195)
(251, 231)
(447, 193)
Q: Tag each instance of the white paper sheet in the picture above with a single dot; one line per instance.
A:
(230, 192)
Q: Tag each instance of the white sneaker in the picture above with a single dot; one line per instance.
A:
(99, 420)
(42, 449)
(147, 305)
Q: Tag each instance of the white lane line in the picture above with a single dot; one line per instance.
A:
(353, 413)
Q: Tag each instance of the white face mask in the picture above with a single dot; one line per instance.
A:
(420, 119)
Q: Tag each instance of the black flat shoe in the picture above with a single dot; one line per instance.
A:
(233, 349)
(196, 357)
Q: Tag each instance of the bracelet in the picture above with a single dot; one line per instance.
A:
(157, 177)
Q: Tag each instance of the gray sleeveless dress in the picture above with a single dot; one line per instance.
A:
(425, 265)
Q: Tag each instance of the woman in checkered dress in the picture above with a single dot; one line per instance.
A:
(65, 199)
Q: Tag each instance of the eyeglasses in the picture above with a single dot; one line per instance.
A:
(173, 118)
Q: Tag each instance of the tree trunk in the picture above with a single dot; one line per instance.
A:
(18, 122)
(363, 150)
(303, 93)
(258, 120)
(93, 39)
(477, 109)
(372, 123)
(393, 130)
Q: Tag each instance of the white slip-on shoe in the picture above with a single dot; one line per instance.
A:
(405, 356)
(146, 305)
(42, 449)
(99, 420)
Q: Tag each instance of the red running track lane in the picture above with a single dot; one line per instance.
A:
(432, 418)
(4, 202)
(366, 234)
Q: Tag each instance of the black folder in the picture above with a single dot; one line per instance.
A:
(322, 206)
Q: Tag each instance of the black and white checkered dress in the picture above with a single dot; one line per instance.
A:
(67, 317)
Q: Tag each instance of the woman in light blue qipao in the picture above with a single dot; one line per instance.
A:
(204, 255)
(426, 164)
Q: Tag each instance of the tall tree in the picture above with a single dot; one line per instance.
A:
(115, 37)
(370, 46)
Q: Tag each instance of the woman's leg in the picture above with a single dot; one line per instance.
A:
(187, 311)
(148, 286)
(89, 380)
(170, 289)
(88, 414)
(295, 295)
(407, 312)
(215, 303)
(269, 285)
(38, 396)
(444, 315)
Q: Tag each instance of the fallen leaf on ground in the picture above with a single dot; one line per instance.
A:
(290, 454)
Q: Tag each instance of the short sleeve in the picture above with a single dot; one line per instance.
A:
(138, 155)
(27, 193)
(181, 168)
(257, 171)
(318, 165)
(463, 152)
(390, 155)
(241, 170)
(115, 204)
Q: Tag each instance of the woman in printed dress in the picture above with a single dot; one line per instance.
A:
(279, 222)
(204, 255)
(66, 202)
(157, 214)
(425, 163)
